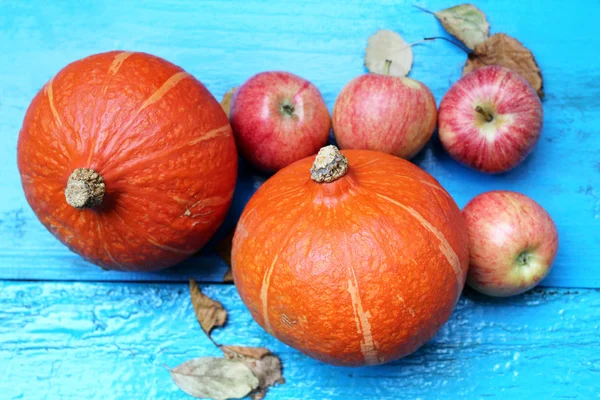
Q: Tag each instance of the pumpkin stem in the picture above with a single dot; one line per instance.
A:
(330, 165)
(85, 188)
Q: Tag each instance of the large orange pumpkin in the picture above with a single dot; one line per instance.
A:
(128, 160)
(357, 261)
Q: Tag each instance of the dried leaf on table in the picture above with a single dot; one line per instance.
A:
(210, 313)
(388, 54)
(466, 23)
(265, 365)
(226, 101)
(216, 378)
(501, 49)
(242, 352)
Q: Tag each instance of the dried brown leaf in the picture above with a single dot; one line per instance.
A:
(226, 101)
(224, 248)
(466, 23)
(210, 313)
(242, 352)
(216, 378)
(504, 50)
(388, 54)
(265, 365)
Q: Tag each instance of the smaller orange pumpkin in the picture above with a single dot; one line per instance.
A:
(358, 262)
(128, 160)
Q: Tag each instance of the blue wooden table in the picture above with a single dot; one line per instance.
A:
(69, 330)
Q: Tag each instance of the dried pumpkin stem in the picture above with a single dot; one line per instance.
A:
(85, 188)
(329, 165)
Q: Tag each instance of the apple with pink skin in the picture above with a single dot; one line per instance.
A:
(391, 114)
(512, 243)
(278, 118)
(490, 119)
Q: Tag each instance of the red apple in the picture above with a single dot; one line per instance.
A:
(278, 118)
(490, 119)
(512, 243)
(395, 115)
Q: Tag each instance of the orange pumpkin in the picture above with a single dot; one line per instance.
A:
(358, 262)
(128, 160)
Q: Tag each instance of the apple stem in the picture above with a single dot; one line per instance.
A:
(488, 117)
(386, 69)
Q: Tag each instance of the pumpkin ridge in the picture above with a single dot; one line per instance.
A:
(109, 144)
(149, 238)
(100, 229)
(49, 92)
(264, 293)
(248, 211)
(361, 318)
(55, 225)
(213, 134)
(445, 247)
(61, 218)
(166, 199)
(367, 346)
(154, 242)
(375, 207)
(207, 203)
(31, 175)
(371, 161)
(171, 151)
(285, 194)
(164, 89)
(266, 281)
(116, 155)
(118, 61)
(436, 187)
(108, 78)
(424, 182)
(158, 196)
(437, 201)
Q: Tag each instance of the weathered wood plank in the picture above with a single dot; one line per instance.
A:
(111, 340)
(225, 42)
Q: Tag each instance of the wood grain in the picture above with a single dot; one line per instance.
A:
(112, 340)
(224, 42)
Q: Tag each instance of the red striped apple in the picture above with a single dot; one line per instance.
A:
(490, 119)
(391, 114)
(278, 118)
(512, 242)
